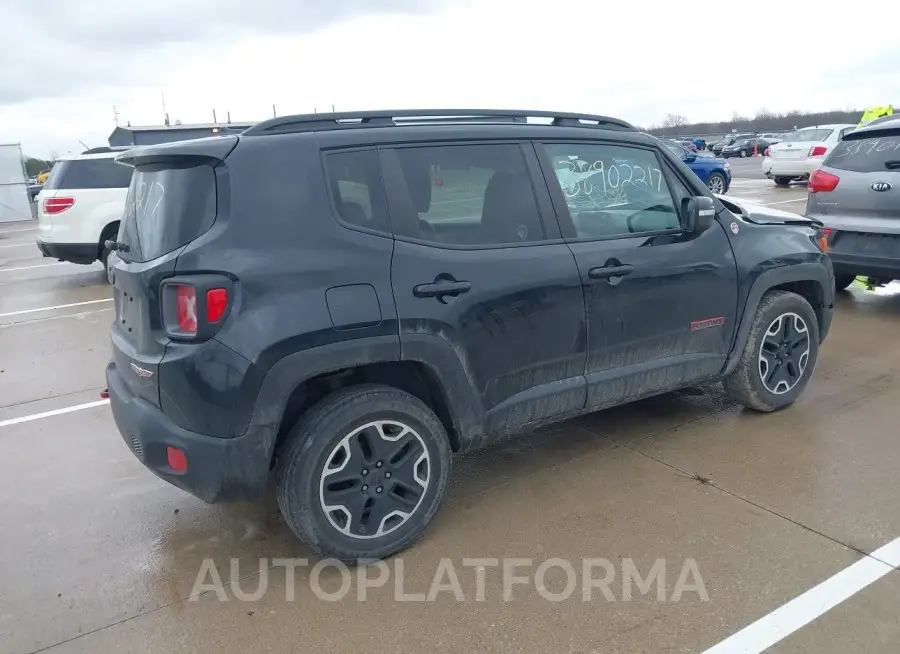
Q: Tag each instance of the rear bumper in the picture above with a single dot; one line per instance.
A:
(85, 253)
(790, 168)
(218, 469)
(866, 264)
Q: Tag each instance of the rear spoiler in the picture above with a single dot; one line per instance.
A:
(212, 150)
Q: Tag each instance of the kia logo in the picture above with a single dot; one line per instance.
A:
(881, 186)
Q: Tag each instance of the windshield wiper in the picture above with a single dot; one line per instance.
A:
(892, 164)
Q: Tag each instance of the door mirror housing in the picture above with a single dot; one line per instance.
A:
(698, 213)
(690, 157)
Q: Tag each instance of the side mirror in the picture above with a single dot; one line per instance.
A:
(698, 213)
(690, 157)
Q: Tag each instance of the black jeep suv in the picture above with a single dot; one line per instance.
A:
(345, 300)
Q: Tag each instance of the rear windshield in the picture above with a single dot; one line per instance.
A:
(88, 174)
(808, 135)
(166, 207)
(877, 153)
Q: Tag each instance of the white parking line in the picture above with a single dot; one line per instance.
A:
(58, 306)
(805, 608)
(769, 204)
(19, 245)
(55, 412)
(23, 229)
(41, 265)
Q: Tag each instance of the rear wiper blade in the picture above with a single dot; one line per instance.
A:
(892, 164)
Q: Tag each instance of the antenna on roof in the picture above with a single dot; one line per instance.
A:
(214, 115)
(229, 117)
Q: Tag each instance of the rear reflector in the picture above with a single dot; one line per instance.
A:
(57, 205)
(817, 151)
(177, 459)
(822, 182)
(186, 299)
(216, 303)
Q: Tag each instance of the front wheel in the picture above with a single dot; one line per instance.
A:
(779, 356)
(743, 154)
(364, 474)
(782, 181)
(716, 183)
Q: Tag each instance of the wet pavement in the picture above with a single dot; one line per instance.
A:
(741, 513)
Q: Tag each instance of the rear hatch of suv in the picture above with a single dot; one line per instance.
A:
(857, 189)
(171, 201)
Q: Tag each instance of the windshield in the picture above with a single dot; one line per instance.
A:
(808, 135)
(167, 207)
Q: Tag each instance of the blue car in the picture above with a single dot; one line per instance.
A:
(712, 171)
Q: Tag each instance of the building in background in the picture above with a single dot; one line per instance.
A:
(153, 134)
(15, 203)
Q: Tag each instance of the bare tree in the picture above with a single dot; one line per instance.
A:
(674, 120)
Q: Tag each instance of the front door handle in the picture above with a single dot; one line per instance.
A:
(442, 288)
(608, 272)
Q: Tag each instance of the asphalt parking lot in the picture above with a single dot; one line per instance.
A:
(761, 522)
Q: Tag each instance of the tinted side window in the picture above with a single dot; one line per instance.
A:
(94, 174)
(867, 155)
(355, 184)
(471, 194)
(613, 190)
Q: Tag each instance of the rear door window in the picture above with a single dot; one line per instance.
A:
(167, 207)
(879, 152)
(99, 173)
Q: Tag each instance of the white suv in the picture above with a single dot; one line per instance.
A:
(80, 206)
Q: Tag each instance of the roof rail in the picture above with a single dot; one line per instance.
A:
(350, 119)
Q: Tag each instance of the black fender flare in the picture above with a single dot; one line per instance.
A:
(434, 353)
(799, 272)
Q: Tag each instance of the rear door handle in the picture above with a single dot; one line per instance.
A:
(607, 272)
(437, 289)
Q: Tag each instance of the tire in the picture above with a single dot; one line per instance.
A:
(325, 436)
(745, 384)
(718, 180)
(782, 181)
(743, 154)
(842, 282)
(104, 259)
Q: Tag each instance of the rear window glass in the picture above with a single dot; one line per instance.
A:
(879, 152)
(808, 135)
(167, 207)
(88, 174)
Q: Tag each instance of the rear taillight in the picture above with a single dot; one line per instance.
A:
(818, 151)
(216, 303)
(186, 304)
(766, 153)
(194, 307)
(57, 205)
(822, 182)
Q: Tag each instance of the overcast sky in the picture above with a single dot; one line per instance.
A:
(65, 63)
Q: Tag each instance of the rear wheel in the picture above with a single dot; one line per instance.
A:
(842, 282)
(779, 355)
(716, 183)
(743, 154)
(782, 181)
(364, 473)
